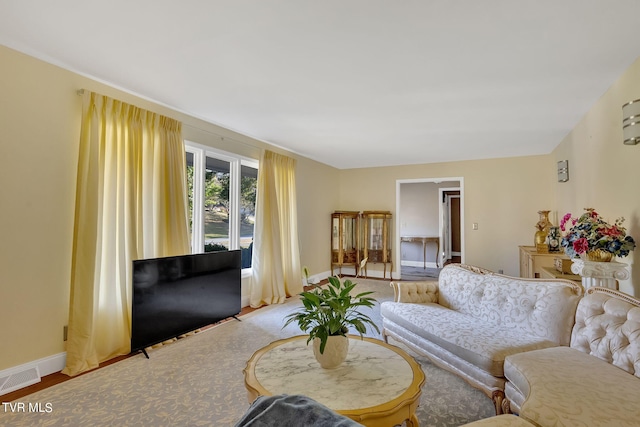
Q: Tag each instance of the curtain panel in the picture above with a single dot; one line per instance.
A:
(276, 272)
(131, 203)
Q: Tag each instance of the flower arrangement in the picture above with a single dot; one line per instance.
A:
(590, 233)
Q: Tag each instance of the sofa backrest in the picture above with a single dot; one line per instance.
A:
(608, 326)
(544, 308)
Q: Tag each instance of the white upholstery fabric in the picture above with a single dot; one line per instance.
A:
(592, 383)
(471, 319)
(566, 387)
(483, 344)
(417, 292)
(475, 376)
(545, 308)
(608, 327)
(514, 397)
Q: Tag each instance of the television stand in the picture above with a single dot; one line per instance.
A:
(144, 351)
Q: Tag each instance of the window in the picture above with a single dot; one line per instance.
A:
(222, 200)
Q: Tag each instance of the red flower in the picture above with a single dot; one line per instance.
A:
(612, 231)
(581, 245)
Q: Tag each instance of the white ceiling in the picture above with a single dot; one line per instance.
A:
(350, 83)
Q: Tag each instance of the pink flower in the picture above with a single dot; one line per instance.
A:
(581, 245)
(564, 220)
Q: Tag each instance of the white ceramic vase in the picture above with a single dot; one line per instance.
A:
(335, 352)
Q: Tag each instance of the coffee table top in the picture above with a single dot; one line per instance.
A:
(375, 377)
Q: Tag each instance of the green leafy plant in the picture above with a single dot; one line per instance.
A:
(331, 310)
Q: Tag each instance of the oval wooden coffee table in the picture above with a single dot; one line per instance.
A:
(378, 385)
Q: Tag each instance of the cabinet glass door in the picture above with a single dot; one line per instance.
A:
(345, 248)
(376, 236)
(350, 240)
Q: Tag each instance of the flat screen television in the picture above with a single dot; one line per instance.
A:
(176, 295)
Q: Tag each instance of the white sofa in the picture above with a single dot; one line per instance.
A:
(472, 319)
(595, 381)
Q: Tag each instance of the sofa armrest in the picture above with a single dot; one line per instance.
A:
(417, 292)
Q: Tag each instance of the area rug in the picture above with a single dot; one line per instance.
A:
(198, 381)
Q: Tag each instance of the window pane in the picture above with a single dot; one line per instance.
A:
(216, 205)
(248, 184)
(222, 200)
(190, 194)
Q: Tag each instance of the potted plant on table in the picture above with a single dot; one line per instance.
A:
(327, 314)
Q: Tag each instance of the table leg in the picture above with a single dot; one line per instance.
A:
(413, 421)
(424, 254)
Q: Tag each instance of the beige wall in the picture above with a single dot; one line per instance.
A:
(419, 206)
(40, 123)
(502, 195)
(39, 119)
(317, 186)
(603, 172)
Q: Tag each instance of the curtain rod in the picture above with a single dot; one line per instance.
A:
(80, 92)
(223, 138)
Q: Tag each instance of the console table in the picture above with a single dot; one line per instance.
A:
(381, 382)
(424, 240)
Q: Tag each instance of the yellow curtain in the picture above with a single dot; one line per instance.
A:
(276, 256)
(131, 203)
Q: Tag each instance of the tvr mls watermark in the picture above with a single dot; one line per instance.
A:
(29, 407)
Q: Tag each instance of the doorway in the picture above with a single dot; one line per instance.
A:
(450, 225)
(429, 225)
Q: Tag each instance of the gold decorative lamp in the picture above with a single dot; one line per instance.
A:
(631, 122)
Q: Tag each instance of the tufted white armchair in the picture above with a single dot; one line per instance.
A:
(608, 327)
(595, 381)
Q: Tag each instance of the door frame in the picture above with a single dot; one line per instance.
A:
(446, 251)
(399, 182)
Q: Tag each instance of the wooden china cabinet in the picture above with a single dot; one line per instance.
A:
(345, 246)
(376, 239)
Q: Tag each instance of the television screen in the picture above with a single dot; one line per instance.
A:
(176, 295)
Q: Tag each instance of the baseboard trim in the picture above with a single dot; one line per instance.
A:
(41, 367)
(244, 302)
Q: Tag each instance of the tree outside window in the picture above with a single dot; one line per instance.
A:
(222, 199)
